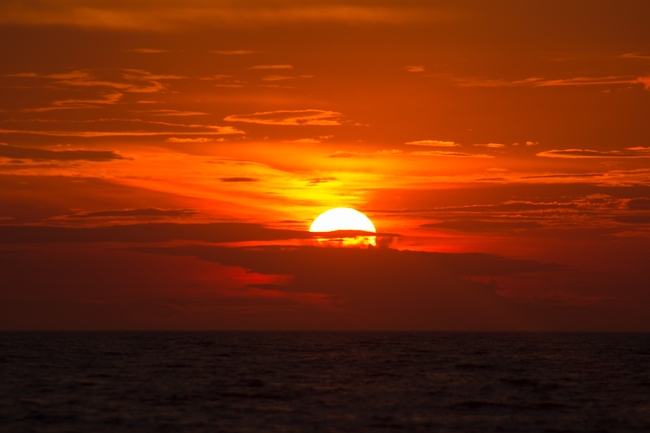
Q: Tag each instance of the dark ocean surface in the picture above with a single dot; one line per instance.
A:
(324, 382)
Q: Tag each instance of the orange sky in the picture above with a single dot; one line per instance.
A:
(161, 162)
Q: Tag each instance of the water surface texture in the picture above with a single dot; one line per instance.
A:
(320, 381)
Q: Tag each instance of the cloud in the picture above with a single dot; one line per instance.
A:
(395, 152)
(110, 85)
(238, 179)
(129, 213)
(645, 81)
(33, 154)
(159, 232)
(277, 78)
(164, 129)
(178, 113)
(639, 204)
(289, 117)
(222, 130)
(433, 143)
(345, 154)
(635, 56)
(632, 152)
(532, 143)
(272, 67)
(166, 15)
(305, 141)
(233, 52)
(216, 77)
(492, 145)
(614, 80)
(193, 140)
(390, 289)
(146, 51)
(442, 153)
(415, 68)
(319, 180)
(484, 226)
(76, 104)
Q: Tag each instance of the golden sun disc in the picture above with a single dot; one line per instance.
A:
(342, 218)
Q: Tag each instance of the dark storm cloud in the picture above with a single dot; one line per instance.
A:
(215, 232)
(148, 212)
(15, 152)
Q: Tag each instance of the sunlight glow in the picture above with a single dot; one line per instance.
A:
(342, 218)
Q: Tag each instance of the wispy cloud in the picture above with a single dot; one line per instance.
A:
(233, 52)
(75, 104)
(613, 80)
(130, 213)
(433, 143)
(216, 77)
(631, 152)
(168, 112)
(193, 140)
(290, 117)
(636, 56)
(34, 154)
(491, 145)
(305, 141)
(239, 179)
(223, 130)
(272, 67)
(415, 68)
(108, 84)
(395, 152)
(166, 15)
(147, 51)
(449, 154)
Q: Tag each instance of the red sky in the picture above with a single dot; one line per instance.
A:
(161, 162)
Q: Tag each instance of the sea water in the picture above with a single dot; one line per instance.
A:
(323, 382)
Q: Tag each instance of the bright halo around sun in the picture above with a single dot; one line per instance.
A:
(344, 219)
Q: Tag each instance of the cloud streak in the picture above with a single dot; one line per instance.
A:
(33, 154)
(433, 143)
(166, 15)
(130, 213)
(396, 152)
(309, 117)
(631, 152)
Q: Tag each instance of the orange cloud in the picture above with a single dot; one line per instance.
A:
(272, 67)
(632, 152)
(14, 152)
(492, 145)
(147, 51)
(395, 152)
(289, 117)
(415, 68)
(543, 82)
(433, 143)
(233, 52)
(142, 14)
(193, 140)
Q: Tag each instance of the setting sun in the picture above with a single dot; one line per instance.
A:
(342, 218)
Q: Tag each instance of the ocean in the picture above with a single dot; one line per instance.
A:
(324, 382)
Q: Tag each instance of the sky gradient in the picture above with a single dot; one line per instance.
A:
(161, 163)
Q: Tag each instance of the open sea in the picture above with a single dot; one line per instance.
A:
(323, 382)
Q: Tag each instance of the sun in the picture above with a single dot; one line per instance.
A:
(342, 218)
